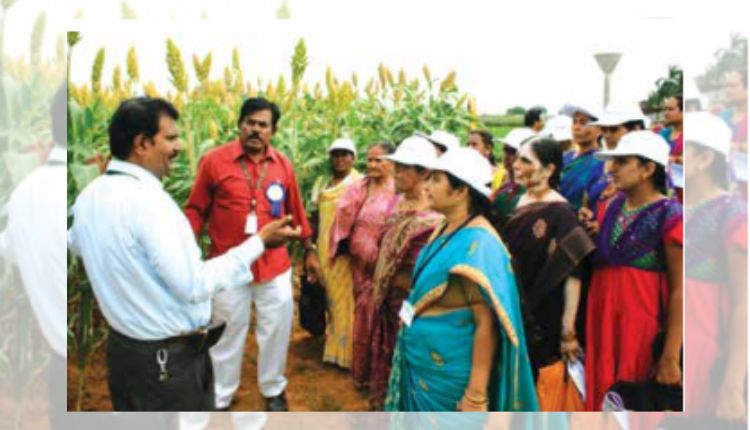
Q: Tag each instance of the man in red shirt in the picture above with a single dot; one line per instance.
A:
(240, 187)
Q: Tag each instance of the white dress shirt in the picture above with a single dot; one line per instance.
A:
(34, 241)
(142, 259)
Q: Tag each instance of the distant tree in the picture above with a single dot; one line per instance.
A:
(731, 58)
(516, 110)
(665, 87)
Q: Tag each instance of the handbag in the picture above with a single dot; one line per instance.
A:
(312, 307)
(642, 396)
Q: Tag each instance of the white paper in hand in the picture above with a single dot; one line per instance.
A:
(406, 313)
(578, 375)
(739, 165)
(677, 175)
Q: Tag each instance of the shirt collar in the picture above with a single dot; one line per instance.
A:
(134, 170)
(238, 152)
(58, 155)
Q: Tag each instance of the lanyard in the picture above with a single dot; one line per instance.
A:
(259, 183)
(418, 271)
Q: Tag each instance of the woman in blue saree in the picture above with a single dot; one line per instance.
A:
(461, 345)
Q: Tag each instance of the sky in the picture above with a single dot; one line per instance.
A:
(502, 61)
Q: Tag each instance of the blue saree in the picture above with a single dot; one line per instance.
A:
(578, 175)
(432, 359)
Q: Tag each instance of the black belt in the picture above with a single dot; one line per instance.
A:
(200, 340)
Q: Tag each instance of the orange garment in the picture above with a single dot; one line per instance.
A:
(556, 391)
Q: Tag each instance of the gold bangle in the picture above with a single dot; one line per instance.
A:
(568, 336)
(475, 401)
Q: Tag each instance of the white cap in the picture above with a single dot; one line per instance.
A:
(343, 143)
(559, 127)
(414, 151)
(645, 143)
(515, 137)
(570, 109)
(467, 165)
(708, 130)
(610, 118)
(443, 138)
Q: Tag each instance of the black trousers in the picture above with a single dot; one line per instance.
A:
(134, 376)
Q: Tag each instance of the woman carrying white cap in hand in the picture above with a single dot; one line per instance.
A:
(461, 345)
(636, 286)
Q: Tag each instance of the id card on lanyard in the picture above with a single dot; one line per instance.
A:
(251, 223)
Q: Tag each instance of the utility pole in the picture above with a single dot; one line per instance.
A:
(607, 62)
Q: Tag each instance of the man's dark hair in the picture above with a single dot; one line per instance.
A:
(139, 115)
(58, 114)
(256, 104)
(531, 117)
(678, 98)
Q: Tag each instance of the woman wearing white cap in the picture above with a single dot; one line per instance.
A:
(442, 141)
(582, 168)
(405, 233)
(357, 226)
(636, 286)
(614, 125)
(715, 274)
(548, 246)
(461, 344)
(336, 274)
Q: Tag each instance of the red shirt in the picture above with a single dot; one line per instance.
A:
(222, 197)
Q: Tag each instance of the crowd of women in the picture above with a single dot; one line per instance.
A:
(458, 283)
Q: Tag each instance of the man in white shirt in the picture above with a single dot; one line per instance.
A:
(34, 241)
(146, 270)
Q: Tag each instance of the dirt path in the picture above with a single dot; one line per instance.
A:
(313, 386)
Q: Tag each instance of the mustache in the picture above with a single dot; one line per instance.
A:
(253, 136)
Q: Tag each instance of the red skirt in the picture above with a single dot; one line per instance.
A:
(362, 325)
(622, 320)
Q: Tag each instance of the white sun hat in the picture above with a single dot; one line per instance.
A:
(611, 118)
(570, 109)
(515, 137)
(467, 165)
(708, 130)
(645, 143)
(344, 144)
(444, 139)
(414, 151)
(559, 127)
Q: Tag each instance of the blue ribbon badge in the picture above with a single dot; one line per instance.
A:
(275, 194)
